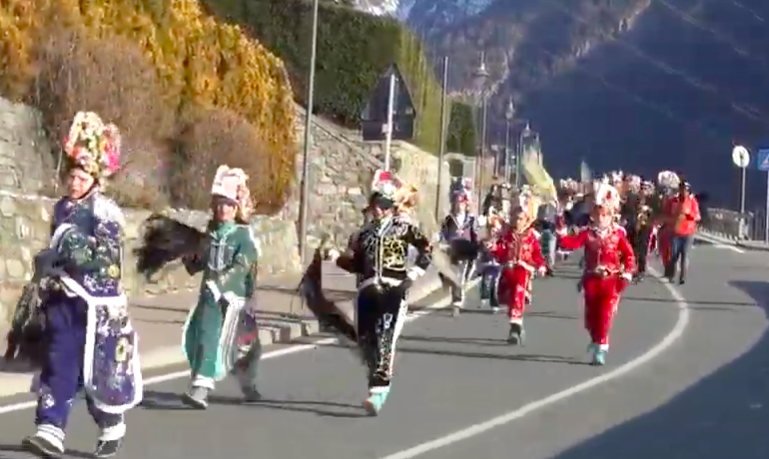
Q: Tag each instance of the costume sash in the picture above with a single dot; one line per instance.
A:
(112, 375)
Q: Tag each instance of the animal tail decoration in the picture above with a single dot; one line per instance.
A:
(25, 340)
(329, 315)
(166, 240)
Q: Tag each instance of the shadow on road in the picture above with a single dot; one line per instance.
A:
(724, 416)
(167, 401)
(18, 449)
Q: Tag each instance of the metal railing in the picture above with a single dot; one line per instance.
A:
(727, 222)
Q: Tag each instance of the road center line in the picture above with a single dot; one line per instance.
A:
(477, 429)
(293, 349)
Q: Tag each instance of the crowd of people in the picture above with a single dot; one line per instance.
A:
(73, 323)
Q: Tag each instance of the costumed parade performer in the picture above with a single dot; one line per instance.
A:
(609, 267)
(489, 267)
(220, 335)
(667, 183)
(213, 333)
(639, 224)
(88, 340)
(460, 230)
(379, 256)
(520, 254)
(682, 214)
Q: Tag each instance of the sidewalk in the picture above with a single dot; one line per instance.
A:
(283, 319)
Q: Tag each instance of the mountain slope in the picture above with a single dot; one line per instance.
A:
(639, 84)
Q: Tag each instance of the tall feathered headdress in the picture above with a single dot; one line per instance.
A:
(607, 196)
(461, 190)
(93, 146)
(528, 203)
(668, 179)
(232, 184)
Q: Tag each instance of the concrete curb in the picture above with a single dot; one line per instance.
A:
(272, 331)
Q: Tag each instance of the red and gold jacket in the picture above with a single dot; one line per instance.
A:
(607, 251)
(519, 249)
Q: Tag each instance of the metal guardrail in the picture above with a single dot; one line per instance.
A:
(727, 222)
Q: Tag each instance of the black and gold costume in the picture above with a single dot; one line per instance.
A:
(378, 254)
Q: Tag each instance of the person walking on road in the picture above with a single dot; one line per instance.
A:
(682, 214)
(220, 335)
(88, 339)
(609, 267)
(460, 226)
(520, 254)
(379, 254)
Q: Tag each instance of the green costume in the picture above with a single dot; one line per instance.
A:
(218, 328)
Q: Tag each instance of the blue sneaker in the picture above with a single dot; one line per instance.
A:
(375, 402)
(599, 357)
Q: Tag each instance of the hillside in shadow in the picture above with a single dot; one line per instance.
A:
(723, 416)
(675, 92)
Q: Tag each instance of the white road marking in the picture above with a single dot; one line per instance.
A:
(442, 303)
(675, 334)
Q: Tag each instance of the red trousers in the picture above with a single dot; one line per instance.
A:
(516, 291)
(601, 300)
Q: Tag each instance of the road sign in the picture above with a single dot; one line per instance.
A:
(740, 156)
(763, 159)
(374, 116)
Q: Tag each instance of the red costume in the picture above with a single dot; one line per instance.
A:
(520, 255)
(609, 267)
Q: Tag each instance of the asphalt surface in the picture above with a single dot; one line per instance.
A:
(705, 396)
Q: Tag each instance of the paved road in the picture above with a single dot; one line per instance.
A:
(454, 373)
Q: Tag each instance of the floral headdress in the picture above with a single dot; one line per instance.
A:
(461, 190)
(607, 197)
(386, 185)
(528, 203)
(93, 146)
(232, 184)
(668, 179)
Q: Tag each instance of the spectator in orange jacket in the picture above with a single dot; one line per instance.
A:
(683, 215)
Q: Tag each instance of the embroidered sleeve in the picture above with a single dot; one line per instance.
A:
(100, 253)
(245, 264)
(574, 241)
(416, 238)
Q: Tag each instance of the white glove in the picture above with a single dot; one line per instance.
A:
(541, 270)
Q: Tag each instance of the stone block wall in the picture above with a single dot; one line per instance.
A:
(25, 229)
(25, 153)
(341, 169)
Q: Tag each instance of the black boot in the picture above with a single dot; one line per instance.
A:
(107, 448)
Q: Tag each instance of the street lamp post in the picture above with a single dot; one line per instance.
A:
(305, 195)
(525, 133)
(481, 78)
(509, 115)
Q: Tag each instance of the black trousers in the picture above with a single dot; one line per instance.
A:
(640, 242)
(380, 314)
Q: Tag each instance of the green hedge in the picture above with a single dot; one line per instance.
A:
(353, 50)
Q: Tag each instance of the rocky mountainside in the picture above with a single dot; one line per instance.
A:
(640, 84)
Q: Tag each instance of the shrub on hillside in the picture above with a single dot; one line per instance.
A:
(78, 73)
(354, 49)
(222, 137)
(200, 63)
